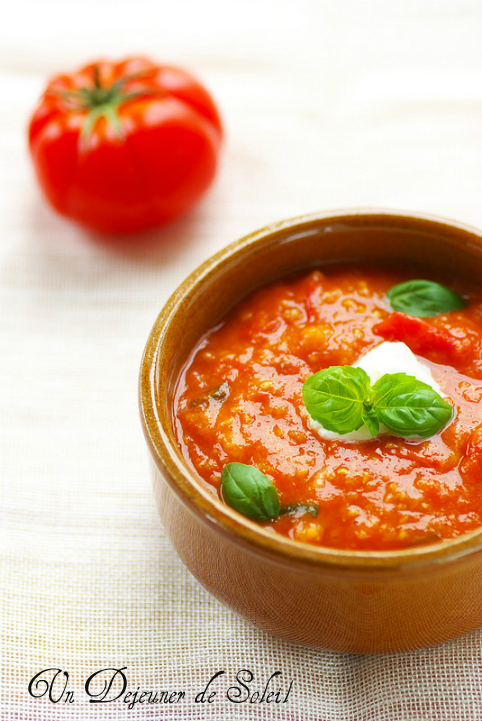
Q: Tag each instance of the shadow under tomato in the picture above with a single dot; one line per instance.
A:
(156, 245)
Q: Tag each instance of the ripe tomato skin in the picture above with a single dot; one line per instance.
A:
(125, 160)
(422, 337)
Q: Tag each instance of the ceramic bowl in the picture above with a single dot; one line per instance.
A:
(349, 601)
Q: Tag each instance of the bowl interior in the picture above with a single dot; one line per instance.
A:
(208, 293)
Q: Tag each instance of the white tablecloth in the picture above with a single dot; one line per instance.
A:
(326, 105)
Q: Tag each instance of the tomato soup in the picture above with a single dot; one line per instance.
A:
(239, 399)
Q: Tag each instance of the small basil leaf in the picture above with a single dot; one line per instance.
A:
(250, 492)
(424, 298)
(299, 509)
(408, 407)
(335, 397)
(219, 393)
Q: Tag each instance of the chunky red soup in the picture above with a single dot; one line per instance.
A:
(239, 399)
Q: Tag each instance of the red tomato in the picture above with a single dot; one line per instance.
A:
(422, 337)
(124, 146)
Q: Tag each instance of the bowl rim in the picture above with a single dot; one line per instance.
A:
(201, 501)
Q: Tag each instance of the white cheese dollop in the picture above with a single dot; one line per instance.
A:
(385, 358)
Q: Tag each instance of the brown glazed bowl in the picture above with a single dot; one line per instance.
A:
(350, 601)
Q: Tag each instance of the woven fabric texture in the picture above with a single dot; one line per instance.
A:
(326, 105)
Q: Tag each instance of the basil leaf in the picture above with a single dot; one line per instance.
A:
(250, 492)
(335, 397)
(371, 420)
(424, 298)
(408, 407)
(219, 393)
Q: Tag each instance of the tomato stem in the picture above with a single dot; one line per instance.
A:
(87, 98)
(100, 101)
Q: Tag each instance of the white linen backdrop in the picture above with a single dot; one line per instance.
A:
(326, 105)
